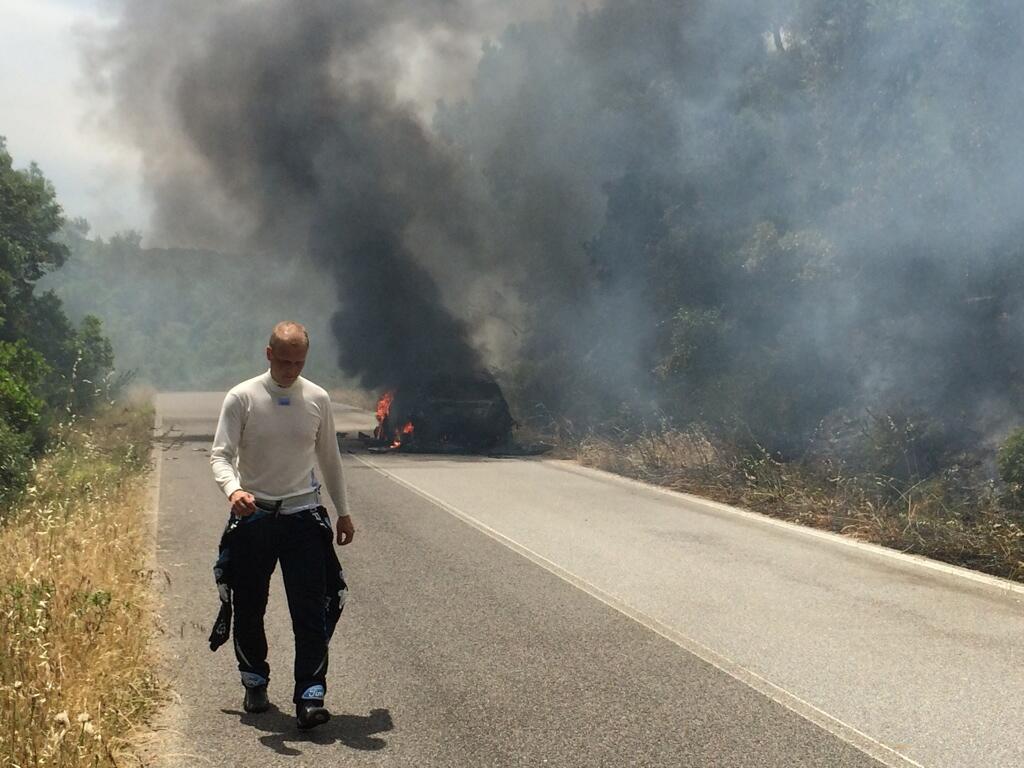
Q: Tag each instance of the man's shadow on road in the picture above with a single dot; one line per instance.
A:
(353, 731)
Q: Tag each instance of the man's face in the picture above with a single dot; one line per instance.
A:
(286, 362)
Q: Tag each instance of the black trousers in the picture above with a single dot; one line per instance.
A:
(296, 540)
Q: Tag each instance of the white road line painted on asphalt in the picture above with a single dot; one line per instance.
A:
(843, 731)
(156, 455)
(835, 538)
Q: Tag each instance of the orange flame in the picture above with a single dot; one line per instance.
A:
(384, 405)
(406, 430)
(383, 411)
(383, 408)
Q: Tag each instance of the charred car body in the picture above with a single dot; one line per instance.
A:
(466, 412)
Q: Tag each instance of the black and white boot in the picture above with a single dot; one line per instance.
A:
(255, 693)
(256, 699)
(310, 711)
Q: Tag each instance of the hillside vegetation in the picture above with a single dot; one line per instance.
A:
(75, 621)
(50, 369)
(182, 319)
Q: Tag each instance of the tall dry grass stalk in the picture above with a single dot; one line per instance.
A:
(975, 530)
(75, 615)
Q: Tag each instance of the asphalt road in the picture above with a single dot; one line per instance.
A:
(527, 613)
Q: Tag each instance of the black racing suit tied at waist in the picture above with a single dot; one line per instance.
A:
(337, 588)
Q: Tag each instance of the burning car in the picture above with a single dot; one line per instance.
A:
(445, 412)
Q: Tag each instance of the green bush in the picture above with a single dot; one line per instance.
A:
(905, 447)
(1011, 463)
(15, 462)
(21, 433)
(21, 372)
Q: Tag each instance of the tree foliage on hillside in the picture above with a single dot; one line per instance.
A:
(48, 367)
(808, 212)
(190, 319)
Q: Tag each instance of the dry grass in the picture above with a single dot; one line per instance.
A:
(933, 518)
(75, 613)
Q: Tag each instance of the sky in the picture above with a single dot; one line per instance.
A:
(49, 115)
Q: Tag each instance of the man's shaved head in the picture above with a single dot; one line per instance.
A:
(289, 333)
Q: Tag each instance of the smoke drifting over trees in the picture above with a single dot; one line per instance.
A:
(780, 213)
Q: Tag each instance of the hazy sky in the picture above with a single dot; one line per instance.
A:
(48, 113)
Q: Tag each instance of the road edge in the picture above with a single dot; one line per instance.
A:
(997, 582)
(161, 739)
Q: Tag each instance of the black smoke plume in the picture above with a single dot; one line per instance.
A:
(780, 213)
(288, 139)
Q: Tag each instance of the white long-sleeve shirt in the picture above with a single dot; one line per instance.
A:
(269, 437)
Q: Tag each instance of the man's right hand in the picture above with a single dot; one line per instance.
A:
(243, 503)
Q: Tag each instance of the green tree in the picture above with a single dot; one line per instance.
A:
(47, 365)
(94, 362)
(22, 370)
(29, 218)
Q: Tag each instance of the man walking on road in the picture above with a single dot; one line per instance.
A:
(272, 430)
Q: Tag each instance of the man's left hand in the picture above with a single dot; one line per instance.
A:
(345, 530)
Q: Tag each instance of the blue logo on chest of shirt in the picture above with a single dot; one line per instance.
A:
(284, 401)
